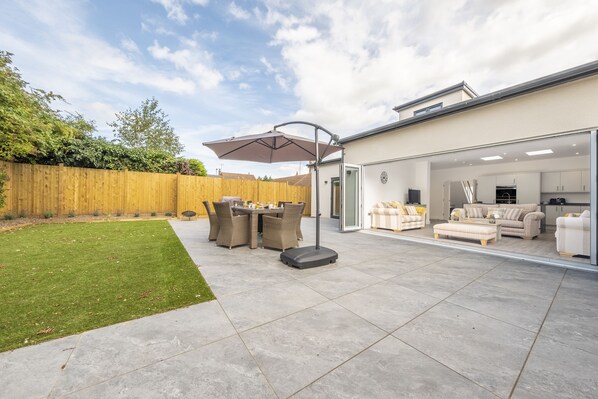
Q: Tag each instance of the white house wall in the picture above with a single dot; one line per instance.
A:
(563, 108)
(327, 172)
(438, 177)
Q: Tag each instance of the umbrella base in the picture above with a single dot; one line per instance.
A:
(306, 257)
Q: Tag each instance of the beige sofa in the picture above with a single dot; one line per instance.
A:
(573, 235)
(395, 216)
(527, 224)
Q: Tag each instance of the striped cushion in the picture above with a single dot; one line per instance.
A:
(512, 213)
(411, 211)
(475, 213)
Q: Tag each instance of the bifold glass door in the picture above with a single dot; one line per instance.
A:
(350, 197)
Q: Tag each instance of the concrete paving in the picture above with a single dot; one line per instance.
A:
(390, 319)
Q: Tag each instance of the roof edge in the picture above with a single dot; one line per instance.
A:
(555, 79)
(447, 90)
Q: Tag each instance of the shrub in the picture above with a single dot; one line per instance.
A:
(48, 215)
(136, 214)
(3, 181)
(8, 216)
(119, 212)
(168, 214)
(22, 214)
(153, 214)
(71, 214)
(96, 212)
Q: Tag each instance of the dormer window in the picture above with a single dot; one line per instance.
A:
(431, 108)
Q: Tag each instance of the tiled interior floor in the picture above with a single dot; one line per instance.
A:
(390, 319)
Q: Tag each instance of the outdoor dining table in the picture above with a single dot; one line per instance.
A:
(253, 220)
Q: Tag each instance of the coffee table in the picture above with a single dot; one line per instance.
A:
(496, 225)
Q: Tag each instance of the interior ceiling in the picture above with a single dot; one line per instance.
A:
(562, 146)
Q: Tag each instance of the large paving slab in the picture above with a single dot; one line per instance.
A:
(485, 350)
(107, 352)
(221, 370)
(391, 369)
(298, 349)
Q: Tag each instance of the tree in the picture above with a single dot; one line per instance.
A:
(146, 127)
(28, 125)
(198, 167)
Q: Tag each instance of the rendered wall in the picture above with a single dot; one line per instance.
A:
(568, 107)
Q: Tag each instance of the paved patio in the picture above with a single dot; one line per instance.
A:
(390, 319)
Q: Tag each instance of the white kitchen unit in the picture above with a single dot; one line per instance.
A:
(528, 188)
(486, 191)
(572, 181)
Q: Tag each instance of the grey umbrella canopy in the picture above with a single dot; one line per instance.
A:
(270, 147)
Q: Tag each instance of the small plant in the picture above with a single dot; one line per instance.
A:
(96, 212)
(9, 216)
(71, 214)
(22, 214)
(153, 213)
(119, 212)
(169, 214)
(48, 215)
(136, 214)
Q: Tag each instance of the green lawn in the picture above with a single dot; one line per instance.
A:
(62, 279)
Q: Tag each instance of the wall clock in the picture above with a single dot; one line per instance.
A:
(383, 177)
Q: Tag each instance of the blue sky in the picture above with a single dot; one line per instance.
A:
(228, 68)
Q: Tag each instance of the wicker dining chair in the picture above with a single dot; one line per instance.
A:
(214, 224)
(234, 230)
(281, 233)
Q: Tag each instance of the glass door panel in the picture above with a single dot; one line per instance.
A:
(350, 197)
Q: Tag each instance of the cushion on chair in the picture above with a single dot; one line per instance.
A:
(585, 214)
(411, 211)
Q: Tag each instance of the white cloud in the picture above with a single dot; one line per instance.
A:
(351, 61)
(244, 86)
(238, 12)
(174, 10)
(130, 45)
(191, 60)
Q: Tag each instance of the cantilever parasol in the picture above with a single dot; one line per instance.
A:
(277, 146)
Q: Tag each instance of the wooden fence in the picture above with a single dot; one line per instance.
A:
(36, 189)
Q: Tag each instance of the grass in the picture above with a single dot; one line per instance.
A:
(63, 279)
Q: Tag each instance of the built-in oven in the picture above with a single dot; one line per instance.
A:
(506, 195)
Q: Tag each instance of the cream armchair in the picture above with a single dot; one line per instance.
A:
(573, 235)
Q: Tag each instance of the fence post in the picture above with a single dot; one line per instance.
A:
(126, 191)
(60, 207)
(178, 194)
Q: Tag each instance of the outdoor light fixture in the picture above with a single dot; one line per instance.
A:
(539, 152)
(492, 158)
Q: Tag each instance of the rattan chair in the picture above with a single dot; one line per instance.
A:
(234, 230)
(214, 224)
(281, 233)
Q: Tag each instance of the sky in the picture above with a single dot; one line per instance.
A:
(224, 68)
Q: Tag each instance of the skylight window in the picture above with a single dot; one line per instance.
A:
(492, 158)
(539, 152)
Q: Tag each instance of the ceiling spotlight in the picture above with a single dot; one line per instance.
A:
(577, 153)
(516, 159)
(492, 158)
(573, 145)
(539, 152)
(470, 164)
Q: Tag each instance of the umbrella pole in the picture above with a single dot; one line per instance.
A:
(317, 171)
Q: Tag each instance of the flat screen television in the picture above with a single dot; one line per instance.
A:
(414, 196)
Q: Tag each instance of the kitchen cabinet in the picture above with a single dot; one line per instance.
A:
(572, 181)
(506, 180)
(528, 188)
(551, 182)
(585, 181)
(486, 191)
